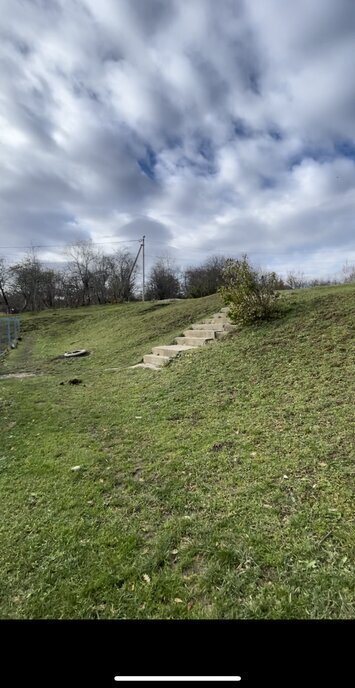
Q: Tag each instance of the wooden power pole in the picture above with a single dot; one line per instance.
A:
(143, 285)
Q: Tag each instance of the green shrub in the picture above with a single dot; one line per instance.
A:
(250, 294)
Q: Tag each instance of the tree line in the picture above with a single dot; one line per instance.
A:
(91, 277)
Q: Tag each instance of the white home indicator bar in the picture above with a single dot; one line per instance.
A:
(177, 678)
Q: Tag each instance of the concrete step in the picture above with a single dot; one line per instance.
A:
(219, 325)
(207, 326)
(199, 334)
(229, 327)
(218, 322)
(192, 341)
(206, 334)
(146, 365)
(157, 361)
(223, 317)
(221, 334)
(170, 350)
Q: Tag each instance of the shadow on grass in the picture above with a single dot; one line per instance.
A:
(155, 307)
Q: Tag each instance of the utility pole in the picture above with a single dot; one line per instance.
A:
(141, 248)
(135, 262)
(143, 285)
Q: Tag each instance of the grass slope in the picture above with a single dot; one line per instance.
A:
(220, 487)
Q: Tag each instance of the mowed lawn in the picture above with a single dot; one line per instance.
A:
(219, 487)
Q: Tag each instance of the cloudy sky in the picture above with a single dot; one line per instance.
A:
(210, 126)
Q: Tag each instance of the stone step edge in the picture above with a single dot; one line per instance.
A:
(172, 350)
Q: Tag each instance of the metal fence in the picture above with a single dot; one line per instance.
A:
(9, 333)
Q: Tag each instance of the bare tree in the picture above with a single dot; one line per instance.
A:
(70, 288)
(348, 271)
(163, 281)
(322, 282)
(49, 287)
(204, 279)
(296, 280)
(27, 280)
(123, 273)
(4, 276)
(101, 271)
(92, 277)
(82, 257)
(34, 287)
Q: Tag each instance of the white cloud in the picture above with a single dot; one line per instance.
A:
(222, 127)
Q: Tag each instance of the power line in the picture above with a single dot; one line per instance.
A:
(267, 252)
(92, 243)
(296, 253)
(270, 254)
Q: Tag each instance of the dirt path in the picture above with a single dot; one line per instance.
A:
(17, 363)
(18, 375)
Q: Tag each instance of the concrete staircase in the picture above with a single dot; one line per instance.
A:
(199, 334)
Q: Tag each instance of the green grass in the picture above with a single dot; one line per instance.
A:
(220, 487)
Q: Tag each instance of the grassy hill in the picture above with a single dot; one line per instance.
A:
(219, 487)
